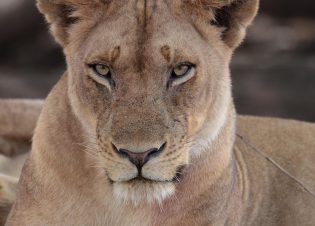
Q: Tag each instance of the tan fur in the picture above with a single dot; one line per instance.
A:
(75, 177)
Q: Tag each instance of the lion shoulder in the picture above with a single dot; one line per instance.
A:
(276, 158)
(289, 143)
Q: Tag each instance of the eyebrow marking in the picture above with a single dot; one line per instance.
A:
(115, 53)
(166, 53)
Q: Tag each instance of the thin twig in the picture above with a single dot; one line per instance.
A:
(247, 142)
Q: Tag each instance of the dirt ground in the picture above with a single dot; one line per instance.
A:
(273, 71)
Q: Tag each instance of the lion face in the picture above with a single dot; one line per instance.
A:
(150, 85)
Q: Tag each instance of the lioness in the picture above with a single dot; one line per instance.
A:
(141, 129)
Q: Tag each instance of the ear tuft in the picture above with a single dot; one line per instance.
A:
(236, 18)
(67, 15)
(59, 15)
(63, 14)
(232, 15)
(212, 3)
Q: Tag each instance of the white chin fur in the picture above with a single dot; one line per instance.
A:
(141, 192)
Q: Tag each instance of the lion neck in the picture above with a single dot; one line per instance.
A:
(209, 188)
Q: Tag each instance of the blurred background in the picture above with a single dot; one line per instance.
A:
(273, 71)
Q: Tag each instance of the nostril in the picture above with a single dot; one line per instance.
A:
(150, 154)
(114, 147)
(162, 147)
(124, 153)
(154, 151)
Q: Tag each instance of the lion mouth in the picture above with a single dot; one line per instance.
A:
(141, 189)
(142, 179)
(139, 178)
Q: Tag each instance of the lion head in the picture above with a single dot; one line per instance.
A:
(149, 82)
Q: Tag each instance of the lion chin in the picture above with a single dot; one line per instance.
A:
(138, 192)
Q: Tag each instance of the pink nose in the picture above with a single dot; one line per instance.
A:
(139, 159)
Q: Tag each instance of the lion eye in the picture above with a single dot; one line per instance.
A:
(102, 74)
(181, 70)
(181, 74)
(101, 70)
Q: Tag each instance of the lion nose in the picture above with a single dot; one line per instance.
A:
(139, 159)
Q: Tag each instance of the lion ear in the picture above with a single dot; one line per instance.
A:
(63, 14)
(59, 14)
(234, 16)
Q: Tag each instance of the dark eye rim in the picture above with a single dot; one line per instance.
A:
(174, 78)
(108, 77)
(93, 67)
(188, 64)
